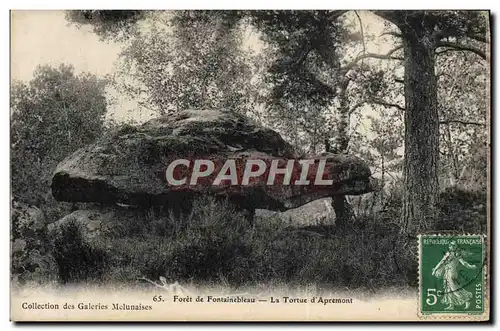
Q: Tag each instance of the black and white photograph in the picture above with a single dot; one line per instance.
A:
(250, 165)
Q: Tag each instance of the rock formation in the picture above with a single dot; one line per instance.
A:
(122, 178)
(128, 166)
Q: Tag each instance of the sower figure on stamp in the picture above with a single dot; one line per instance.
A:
(453, 293)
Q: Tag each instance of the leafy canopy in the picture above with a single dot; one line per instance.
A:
(54, 114)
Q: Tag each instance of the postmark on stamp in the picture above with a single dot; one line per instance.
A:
(452, 274)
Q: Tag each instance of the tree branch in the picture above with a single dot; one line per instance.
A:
(376, 101)
(478, 37)
(387, 56)
(462, 122)
(443, 74)
(393, 16)
(299, 57)
(304, 56)
(362, 32)
(356, 106)
(460, 47)
(386, 104)
(446, 50)
(391, 33)
(334, 14)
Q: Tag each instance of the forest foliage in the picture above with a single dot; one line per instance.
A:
(52, 115)
(313, 76)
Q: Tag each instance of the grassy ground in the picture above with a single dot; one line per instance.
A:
(215, 246)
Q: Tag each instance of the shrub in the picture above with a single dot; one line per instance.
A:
(214, 244)
(462, 210)
(31, 260)
(77, 260)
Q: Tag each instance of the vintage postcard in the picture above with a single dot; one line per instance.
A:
(250, 165)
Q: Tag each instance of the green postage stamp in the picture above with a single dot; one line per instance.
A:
(452, 274)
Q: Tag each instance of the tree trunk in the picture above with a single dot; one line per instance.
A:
(341, 141)
(382, 181)
(344, 213)
(249, 215)
(421, 134)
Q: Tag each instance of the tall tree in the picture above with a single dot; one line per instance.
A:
(463, 108)
(422, 33)
(183, 61)
(309, 50)
(52, 115)
(315, 36)
(178, 59)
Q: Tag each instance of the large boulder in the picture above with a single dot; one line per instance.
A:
(128, 166)
(95, 226)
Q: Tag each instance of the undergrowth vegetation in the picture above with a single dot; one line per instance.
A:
(214, 244)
